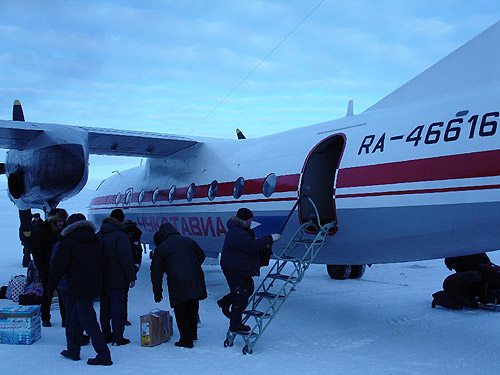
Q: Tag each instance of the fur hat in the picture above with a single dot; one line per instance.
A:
(57, 214)
(244, 214)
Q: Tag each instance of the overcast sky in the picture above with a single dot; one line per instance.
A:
(162, 65)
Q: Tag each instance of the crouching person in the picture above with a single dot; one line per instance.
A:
(180, 258)
(460, 289)
(80, 256)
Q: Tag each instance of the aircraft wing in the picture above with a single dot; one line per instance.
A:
(17, 135)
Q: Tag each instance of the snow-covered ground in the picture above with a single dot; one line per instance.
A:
(380, 324)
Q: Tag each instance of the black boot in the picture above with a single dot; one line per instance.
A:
(224, 307)
(99, 361)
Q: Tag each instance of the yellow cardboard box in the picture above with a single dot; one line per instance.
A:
(156, 328)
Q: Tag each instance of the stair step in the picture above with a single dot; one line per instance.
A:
(289, 258)
(302, 241)
(243, 333)
(279, 276)
(257, 313)
(268, 295)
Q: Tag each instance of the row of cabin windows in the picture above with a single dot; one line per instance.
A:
(267, 189)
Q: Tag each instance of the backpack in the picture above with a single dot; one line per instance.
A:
(490, 274)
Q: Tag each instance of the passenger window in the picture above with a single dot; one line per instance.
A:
(212, 191)
(141, 196)
(171, 194)
(238, 187)
(155, 195)
(190, 192)
(269, 185)
(118, 198)
(128, 197)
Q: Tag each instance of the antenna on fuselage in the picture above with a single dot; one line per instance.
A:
(240, 134)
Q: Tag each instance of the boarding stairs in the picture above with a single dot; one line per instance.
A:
(287, 271)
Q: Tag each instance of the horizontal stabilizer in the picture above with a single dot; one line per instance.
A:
(474, 65)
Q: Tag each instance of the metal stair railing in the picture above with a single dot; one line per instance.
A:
(286, 272)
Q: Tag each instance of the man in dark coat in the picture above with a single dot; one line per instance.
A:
(134, 234)
(240, 260)
(119, 273)
(80, 257)
(460, 289)
(180, 258)
(44, 239)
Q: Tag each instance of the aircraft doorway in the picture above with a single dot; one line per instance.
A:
(318, 178)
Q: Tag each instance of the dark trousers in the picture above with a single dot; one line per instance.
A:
(26, 256)
(65, 298)
(113, 310)
(186, 316)
(82, 316)
(126, 302)
(46, 301)
(241, 287)
(62, 307)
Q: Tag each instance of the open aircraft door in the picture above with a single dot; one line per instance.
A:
(318, 180)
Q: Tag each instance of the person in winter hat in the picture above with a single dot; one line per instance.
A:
(180, 258)
(240, 261)
(44, 240)
(80, 256)
(119, 273)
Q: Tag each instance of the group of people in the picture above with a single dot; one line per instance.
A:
(82, 265)
(180, 258)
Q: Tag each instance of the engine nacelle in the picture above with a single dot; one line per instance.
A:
(53, 167)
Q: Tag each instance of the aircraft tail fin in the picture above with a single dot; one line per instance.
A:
(473, 65)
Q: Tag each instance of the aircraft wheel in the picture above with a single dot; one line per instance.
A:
(357, 271)
(338, 272)
(226, 343)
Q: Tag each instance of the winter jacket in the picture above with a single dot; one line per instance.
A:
(241, 249)
(63, 283)
(458, 286)
(79, 256)
(119, 267)
(44, 239)
(180, 258)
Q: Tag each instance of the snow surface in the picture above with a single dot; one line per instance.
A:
(380, 324)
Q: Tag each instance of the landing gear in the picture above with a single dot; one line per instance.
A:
(338, 272)
(342, 272)
(357, 272)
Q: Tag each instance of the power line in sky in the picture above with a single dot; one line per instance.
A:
(257, 66)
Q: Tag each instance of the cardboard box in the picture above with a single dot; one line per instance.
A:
(156, 328)
(20, 325)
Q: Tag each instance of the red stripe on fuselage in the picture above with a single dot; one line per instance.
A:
(418, 191)
(476, 164)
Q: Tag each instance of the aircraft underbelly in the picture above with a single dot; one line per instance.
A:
(393, 234)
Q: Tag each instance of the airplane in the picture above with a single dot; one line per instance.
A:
(415, 176)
